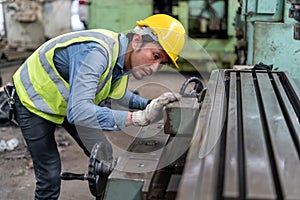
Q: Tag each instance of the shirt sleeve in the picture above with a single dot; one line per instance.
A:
(87, 64)
(133, 101)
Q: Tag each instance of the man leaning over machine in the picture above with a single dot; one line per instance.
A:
(65, 79)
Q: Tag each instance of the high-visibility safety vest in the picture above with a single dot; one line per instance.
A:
(43, 91)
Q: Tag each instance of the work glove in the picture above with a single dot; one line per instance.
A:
(153, 111)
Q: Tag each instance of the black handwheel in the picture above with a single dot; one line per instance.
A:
(197, 89)
(98, 170)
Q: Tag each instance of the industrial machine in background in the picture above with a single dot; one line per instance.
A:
(264, 31)
(226, 32)
(209, 24)
(29, 23)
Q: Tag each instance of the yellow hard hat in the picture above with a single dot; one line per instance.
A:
(170, 33)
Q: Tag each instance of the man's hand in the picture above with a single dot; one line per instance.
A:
(153, 112)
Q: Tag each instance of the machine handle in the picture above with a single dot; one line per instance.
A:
(71, 176)
(198, 87)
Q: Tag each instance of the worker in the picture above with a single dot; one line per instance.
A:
(65, 80)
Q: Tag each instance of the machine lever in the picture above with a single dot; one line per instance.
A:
(71, 176)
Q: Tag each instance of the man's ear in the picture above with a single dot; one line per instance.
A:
(136, 41)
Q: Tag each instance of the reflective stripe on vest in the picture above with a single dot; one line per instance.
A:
(116, 92)
(44, 92)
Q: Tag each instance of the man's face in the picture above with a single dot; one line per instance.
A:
(147, 59)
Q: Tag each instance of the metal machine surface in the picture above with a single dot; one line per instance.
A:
(151, 167)
(237, 138)
(246, 141)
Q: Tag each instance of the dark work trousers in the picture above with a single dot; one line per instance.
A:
(39, 136)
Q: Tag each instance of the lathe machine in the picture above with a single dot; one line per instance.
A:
(236, 138)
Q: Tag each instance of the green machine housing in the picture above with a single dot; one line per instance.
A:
(265, 34)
